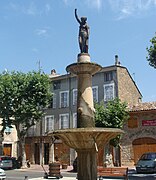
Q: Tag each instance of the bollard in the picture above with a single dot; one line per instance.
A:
(26, 178)
(100, 178)
(54, 169)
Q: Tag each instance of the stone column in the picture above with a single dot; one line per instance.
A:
(87, 164)
(84, 69)
(51, 152)
(32, 151)
(85, 107)
(41, 152)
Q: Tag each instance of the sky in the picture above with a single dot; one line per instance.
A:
(43, 34)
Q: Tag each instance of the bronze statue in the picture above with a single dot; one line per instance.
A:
(83, 33)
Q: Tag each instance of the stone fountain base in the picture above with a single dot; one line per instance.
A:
(86, 142)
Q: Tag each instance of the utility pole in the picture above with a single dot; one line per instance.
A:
(39, 65)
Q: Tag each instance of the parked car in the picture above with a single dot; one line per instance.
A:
(2, 174)
(147, 163)
(6, 162)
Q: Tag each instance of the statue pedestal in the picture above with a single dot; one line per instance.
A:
(83, 57)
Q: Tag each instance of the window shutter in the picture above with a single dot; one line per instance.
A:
(74, 97)
(75, 120)
(54, 100)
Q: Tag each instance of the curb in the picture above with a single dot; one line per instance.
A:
(64, 178)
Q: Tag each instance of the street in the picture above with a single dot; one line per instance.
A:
(20, 174)
(134, 176)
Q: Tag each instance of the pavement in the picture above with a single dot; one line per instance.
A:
(68, 174)
(37, 167)
(64, 178)
(65, 172)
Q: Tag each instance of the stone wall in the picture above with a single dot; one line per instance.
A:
(127, 90)
(134, 133)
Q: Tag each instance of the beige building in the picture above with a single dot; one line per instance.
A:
(112, 81)
(9, 142)
(140, 133)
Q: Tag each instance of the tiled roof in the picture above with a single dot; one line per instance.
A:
(144, 106)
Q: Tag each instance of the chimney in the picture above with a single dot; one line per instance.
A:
(53, 71)
(117, 62)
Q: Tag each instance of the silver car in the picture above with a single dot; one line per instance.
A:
(2, 174)
(147, 163)
(6, 162)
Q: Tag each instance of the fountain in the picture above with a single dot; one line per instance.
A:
(86, 138)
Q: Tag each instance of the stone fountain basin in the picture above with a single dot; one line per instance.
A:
(86, 138)
(83, 67)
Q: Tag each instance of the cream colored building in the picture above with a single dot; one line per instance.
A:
(9, 142)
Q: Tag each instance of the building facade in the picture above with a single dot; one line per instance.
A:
(8, 144)
(140, 133)
(112, 81)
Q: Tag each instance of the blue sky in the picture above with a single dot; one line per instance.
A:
(46, 31)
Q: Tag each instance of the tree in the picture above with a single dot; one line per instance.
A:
(111, 115)
(22, 99)
(152, 52)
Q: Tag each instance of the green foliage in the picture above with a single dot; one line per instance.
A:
(115, 141)
(112, 115)
(22, 99)
(6, 110)
(151, 58)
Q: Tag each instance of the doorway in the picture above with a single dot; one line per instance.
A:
(46, 153)
(7, 149)
(143, 145)
(37, 153)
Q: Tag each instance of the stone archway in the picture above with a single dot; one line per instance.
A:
(142, 145)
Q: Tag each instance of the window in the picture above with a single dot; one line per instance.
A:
(53, 102)
(63, 121)
(74, 97)
(56, 85)
(133, 123)
(32, 131)
(108, 76)
(7, 130)
(49, 123)
(95, 93)
(64, 99)
(74, 120)
(108, 92)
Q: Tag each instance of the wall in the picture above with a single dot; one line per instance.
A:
(146, 136)
(127, 89)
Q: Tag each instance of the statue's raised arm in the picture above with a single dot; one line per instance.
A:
(83, 33)
(76, 16)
